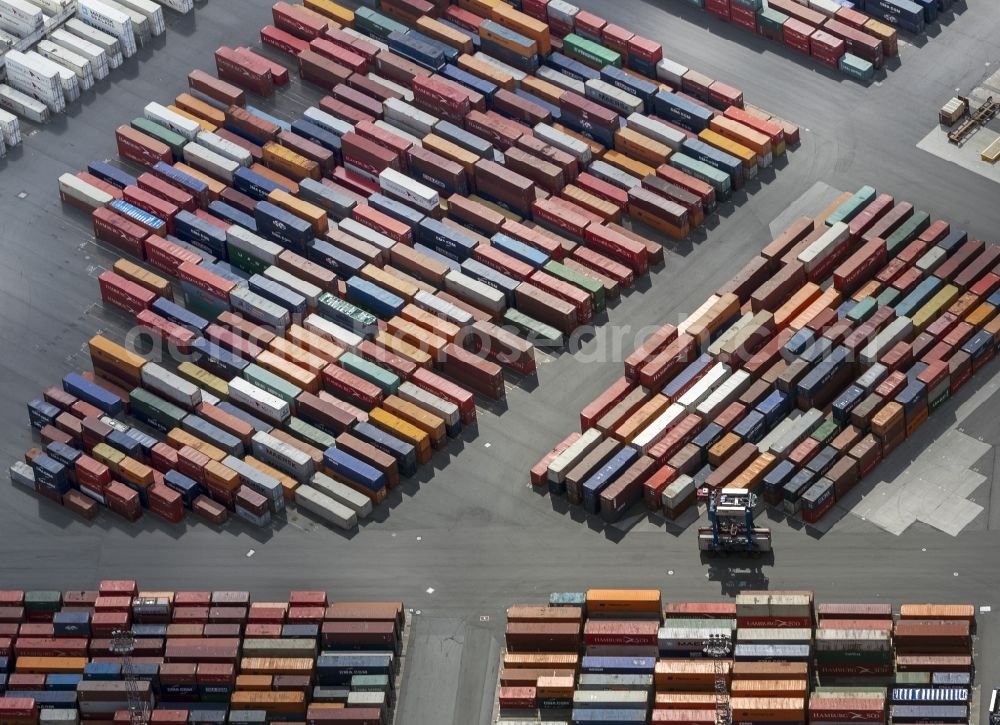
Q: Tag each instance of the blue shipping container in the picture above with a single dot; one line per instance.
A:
(479, 85)
(201, 234)
(231, 215)
(109, 403)
(446, 240)
(572, 68)
(418, 51)
(353, 469)
(216, 360)
(283, 227)
(255, 185)
(375, 299)
(111, 174)
(278, 294)
(605, 476)
(492, 278)
(344, 264)
(642, 89)
(519, 250)
(404, 453)
(185, 182)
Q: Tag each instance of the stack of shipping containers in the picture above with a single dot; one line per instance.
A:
(199, 656)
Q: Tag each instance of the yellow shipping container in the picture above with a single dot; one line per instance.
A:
(404, 349)
(254, 682)
(136, 472)
(287, 162)
(199, 108)
(302, 209)
(621, 601)
(641, 148)
(453, 152)
(297, 355)
(549, 92)
(277, 666)
(449, 36)
(395, 285)
(288, 484)
(289, 371)
(314, 344)
(741, 134)
(144, 278)
(443, 328)
(215, 187)
(592, 203)
(525, 660)
(394, 425)
(201, 377)
(744, 154)
(640, 419)
(479, 7)
(337, 13)
(933, 308)
(110, 354)
(628, 164)
(524, 24)
(178, 438)
(284, 701)
(50, 665)
(221, 476)
(110, 457)
(981, 315)
(429, 423)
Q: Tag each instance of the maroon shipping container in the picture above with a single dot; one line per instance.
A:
(797, 33)
(140, 148)
(104, 186)
(124, 294)
(395, 68)
(978, 267)
(501, 346)
(119, 232)
(355, 98)
(619, 246)
(321, 71)
(373, 89)
(503, 186)
(502, 262)
(589, 112)
(282, 40)
(542, 637)
(296, 20)
(546, 307)
(366, 156)
(826, 48)
(513, 106)
(668, 362)
(567, 292)
(218, 90)
(858, 267)
(344, 112)
(856, 41)
(169, 194)
(358, 389)
(620, 632)
(245, 71)
(440, 98)
(491, 126)
(352, 44)
(867, 217)
(339, 54)
(154, 205)
(481, 375)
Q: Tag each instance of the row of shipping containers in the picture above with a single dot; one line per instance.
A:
(60, 49)
(857, 39)
(609, 655)
(198, 657)
(805, 370)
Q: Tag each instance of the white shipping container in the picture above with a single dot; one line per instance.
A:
(111, 21)
(70, 83)
(433, 404)
(677, 492)
(7, 40)
(325, 121)
(725, 394)
(211, 163)
(259, 309)
(225, 147)
(20, 17)
(265, 484)
(869, 640)
(652, 433)
(610, 699)
(697, 314)
(80, 190)
(651, 128)
(564, 142)
(783, 635)
(174, 388)
(405, 92)
(180, 6)
(108, 43)
(3, 148)
(562, 11)
(416, 121)
(612, 97)
(827, 7)
(285, 457)
(671, 72)
(342, 493)
(257, 401)
(560, 79)
(41, 82)
(174, 121)
(393, 183)
(726, 337)
(347, 339)
(253, 244)
(899, 329)
(518, 75)
(151, 11)
(22, 104)
(797, 429)
(475, 292)
(371, 41)
(307, 289)
(366, 234)
(564, 462)
(704, 387)
(10, 128)
(140, 25)
(95, 54)
(22, 474)
(398, 130)
(813, 255)
(76, 63)
(321, 505)
(442, 308)
(55, 7)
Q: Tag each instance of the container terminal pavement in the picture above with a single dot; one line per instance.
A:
(479, 498)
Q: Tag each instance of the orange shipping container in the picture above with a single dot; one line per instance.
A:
(430, 424)
(770, 670)
(938, 611)
(417, 336)
(215, 187)
(276, 666)
(197, 107)
(302, 209)
(531, 660)
(207, 126)
(289, 371)
(394, 425)
(770, 688)
(770, 709)
(685, 701)
(274, 176)
(798, 302)
(404, 349)
(288, 484)
(178, 438)
(295, 354)
(144, 278)
(49, 665)
(287, 162)
(281, 702)
(640, 419)
(688, 675)
(314, 344)
(741, 134)
(487, 72)
(524, 24)
(431, 322)
(621, 601)
(387, 281)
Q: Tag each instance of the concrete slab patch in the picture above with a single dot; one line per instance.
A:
(953, 515)
(937, 144)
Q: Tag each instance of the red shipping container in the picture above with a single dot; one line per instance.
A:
(119, 232)
(282, 40)
(170, 194)
(140, 148)
(296, 20)
(797, 35)
(719, 8)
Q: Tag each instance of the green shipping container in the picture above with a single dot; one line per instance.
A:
(591, 286)
(853, 206)
(719, 180)
(755, 5)
(772, 23)
(370, 683)
(241, 259)
(156, 408)
(827, 430)
(376, 24)
(907, 232)
(855, 67)
(589, 52)
(309, 434)
(934, 404)
(271, 383)
(337, 310)
(888, 297)
(388, 382)
(42, 601)
(863, 310)
(161, 133)
(913, 678)
(531, 328)
(880, 691)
